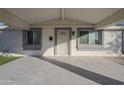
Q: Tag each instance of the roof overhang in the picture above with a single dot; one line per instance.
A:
(12, 21)
(64, 22)
(111, 21)
(99, 18)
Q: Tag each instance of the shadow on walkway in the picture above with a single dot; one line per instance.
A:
(98, 78)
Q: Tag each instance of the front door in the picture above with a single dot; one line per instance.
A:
(62, 42)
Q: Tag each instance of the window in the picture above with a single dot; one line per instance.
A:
(84, 38)
(29, 37)
(90, 37)
(32, 39)
(89, 40)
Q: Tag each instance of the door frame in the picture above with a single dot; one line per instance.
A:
(55, 41)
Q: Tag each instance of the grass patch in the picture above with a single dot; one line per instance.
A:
(4, 60)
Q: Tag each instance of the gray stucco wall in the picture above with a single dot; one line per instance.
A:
(12, 41)
(113, 41)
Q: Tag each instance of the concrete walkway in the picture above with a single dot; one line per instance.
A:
(62, 70)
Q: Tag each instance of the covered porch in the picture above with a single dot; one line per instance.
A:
(63, 32)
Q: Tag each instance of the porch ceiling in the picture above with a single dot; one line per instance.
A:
(9, 20)
(90, 15)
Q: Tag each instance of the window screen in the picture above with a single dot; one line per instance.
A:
(84, 37)
(31, 37)
(90, 37)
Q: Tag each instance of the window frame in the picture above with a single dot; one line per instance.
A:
(79, 39)
(33, 38)
(89, 46)
(33, 46)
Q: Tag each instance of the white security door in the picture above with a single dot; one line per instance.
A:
(62, 47)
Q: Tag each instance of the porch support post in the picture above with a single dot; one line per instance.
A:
(62, 13)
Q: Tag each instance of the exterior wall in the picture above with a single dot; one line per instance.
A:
(13, 42)
(112, 43)
(47, 45)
